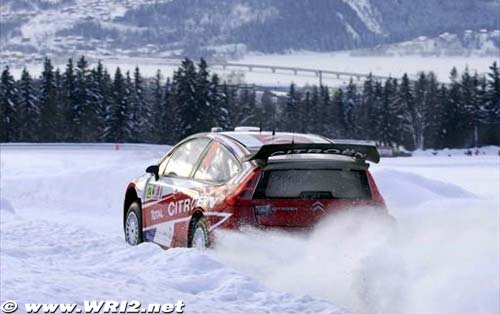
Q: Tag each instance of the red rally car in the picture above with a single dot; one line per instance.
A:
(246, 178)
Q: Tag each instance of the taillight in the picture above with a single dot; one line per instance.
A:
(243, 194)
(376, 196)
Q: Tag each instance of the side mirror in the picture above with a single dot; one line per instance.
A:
(154, 169)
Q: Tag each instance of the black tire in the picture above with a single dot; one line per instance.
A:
(198, 229)
(131, 237)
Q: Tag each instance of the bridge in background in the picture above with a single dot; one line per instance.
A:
(319, 73)
(296, 70)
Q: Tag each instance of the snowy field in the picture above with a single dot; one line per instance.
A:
(61, 241)
(394, 66)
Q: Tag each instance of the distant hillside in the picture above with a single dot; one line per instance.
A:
(30, 28)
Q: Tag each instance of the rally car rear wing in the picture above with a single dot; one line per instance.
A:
(357, 151)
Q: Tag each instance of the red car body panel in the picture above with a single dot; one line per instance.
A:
(170, 204)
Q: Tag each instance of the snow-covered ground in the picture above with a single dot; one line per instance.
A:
(61, 241)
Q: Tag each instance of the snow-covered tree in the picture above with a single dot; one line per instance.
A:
(269, 111)
(100, 86)
(351, 103)
(70, 107)
(245, 109)
(452, 137)
(50, 111)
(291, 116)
(9, 102)
(228, 100)
(406, 113)
(28, 109)
(218, 110)
(118, 124)
(188, 117)
(337, 116)
(366, 121)
(140, 112)
(491, 107)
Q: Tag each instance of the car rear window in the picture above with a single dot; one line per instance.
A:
(314, 184)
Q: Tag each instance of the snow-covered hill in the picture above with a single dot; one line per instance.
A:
(61, 241)
(481, 43)
(31, 29)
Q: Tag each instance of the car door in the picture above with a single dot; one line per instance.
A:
(168, 200)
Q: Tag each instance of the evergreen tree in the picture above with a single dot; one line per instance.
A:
(157, 109)
(71, 105)
(468, 109)
(291, 116)
(246, 112)
(206, 104)
(87, 105)
(9, 103)
(338, 115)
(452, 136)
(417, 110)
(305, 108)
(118, 125)
(432, 113)
(366, 121)
(269, 111)
(219, 111)
(405, 105)
(351, 104)
(50, 112)
(378, 123)
(328, 121)
(100, 87)
(388, 121)
(168, 119)
(188, 116)
(440, 120)
(228, 99)
(162, 111)
(491, 108)
(140, 113)
(314, 116)
(28, 109)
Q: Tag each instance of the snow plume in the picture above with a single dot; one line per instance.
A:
(441, 257)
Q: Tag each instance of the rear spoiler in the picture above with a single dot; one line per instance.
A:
(357, 151)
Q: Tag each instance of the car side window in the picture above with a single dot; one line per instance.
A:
(184, 158)
(218, 165)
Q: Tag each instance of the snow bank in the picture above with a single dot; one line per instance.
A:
(6, 206)
(409, 189)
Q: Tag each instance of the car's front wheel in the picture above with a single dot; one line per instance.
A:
(133, 225)
(199, 237)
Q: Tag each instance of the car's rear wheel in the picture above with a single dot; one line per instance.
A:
(199, 237)
(133, 225)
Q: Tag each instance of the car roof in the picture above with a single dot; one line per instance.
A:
(243, 143)
(254, 140)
